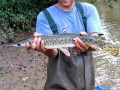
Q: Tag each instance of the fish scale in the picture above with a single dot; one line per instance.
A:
(66, 40)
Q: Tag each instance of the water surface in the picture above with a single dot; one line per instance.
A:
(107, 67)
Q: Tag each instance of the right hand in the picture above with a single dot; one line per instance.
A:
(80, 46)
(37, 44)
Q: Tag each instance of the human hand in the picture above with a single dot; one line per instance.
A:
(80, 46)
(37, 44)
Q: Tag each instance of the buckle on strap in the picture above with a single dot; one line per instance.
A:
(85, 18)
(54, 28)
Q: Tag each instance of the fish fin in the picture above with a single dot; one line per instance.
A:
(65, 51)
(111, 49)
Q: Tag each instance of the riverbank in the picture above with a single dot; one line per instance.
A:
(21, 69)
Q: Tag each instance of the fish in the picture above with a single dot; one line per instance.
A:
(62, 41)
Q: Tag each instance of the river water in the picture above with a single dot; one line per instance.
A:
(107, 67)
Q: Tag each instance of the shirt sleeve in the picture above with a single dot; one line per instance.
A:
(42, 25)
(93, 20)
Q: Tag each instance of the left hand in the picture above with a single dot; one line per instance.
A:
(80, 46)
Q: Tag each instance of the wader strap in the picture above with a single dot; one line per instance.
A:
(79, 7)
(51, 22)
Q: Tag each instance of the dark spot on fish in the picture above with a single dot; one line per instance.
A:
(90, 39)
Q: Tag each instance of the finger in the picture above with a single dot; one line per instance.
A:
(93, 48)
(82, 44)
(36, 34)
(77, 46)
(34, 43)
(38, 43)
(42, 46)
(76, 50)
(83, 33)
(94, 34)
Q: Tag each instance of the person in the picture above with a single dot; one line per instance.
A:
(77, 71)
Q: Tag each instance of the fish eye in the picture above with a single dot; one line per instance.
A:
(18, 44)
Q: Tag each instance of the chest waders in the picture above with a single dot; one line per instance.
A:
(85, 59)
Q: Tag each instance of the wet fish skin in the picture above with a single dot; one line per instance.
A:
(66, 40)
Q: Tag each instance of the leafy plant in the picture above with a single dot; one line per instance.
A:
(17, 16)
(107, 2)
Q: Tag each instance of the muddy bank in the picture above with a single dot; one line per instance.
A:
(21, 69)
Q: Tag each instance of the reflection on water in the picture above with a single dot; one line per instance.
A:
(107, 70)
(107, 67)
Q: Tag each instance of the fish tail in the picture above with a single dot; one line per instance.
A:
(111, 49)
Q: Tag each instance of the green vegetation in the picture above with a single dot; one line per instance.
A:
(2, 74)
(17, 16)
(107, 2)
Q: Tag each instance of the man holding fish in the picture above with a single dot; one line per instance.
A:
(75, 72)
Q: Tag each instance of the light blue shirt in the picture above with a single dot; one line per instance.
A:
(70, 21)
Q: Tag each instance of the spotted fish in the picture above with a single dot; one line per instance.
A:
(66, 40)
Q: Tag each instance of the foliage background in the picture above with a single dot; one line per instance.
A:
(17, 16)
